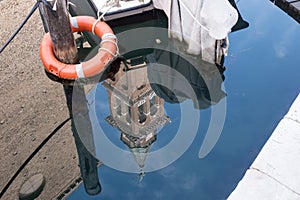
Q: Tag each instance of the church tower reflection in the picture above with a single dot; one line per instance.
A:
(135, 110)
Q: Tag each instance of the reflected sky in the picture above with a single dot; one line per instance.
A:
(262, 79)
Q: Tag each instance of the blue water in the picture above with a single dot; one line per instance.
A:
(261, 81)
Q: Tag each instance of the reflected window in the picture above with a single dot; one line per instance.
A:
(142, 116)
(128, 115)
(141, 87)
(153, 106)
(119, 108)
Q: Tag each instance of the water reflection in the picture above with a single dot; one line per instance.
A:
(247, 123)
(85, 145)
(138, 90)
(135, 110)
(136, 96)
(203, 82)
(241, 23)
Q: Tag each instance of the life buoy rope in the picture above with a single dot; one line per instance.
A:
(107, 52)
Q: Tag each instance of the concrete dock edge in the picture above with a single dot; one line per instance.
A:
(275, 173)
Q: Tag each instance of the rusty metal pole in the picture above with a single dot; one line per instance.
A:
(64, 47)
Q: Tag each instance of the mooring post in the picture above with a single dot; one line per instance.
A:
(64, 47)
(60, 30)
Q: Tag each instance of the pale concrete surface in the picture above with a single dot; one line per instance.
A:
(31, 107)
(275, 173)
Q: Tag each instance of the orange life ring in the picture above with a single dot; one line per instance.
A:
(107, 52)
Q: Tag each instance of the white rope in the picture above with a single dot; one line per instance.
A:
(94, 24)
(69, 3)
(191, 14)
(54, 8)
(113, 42)
(109, 51)
(107, 36)
(100, 17)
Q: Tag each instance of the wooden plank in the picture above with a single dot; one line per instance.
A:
(60, 30)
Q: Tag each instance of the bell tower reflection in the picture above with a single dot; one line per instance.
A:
(135, 110)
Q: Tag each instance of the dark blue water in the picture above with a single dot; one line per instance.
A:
(261, 81)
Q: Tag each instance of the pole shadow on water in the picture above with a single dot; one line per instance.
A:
(87, 162)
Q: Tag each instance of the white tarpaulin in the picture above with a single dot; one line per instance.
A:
(199, 23)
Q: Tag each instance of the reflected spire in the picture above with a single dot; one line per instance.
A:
(141, 175)
(140, 155)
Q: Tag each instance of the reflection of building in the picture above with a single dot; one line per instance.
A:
(291, 7)
(186, 77)
(135, 109)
